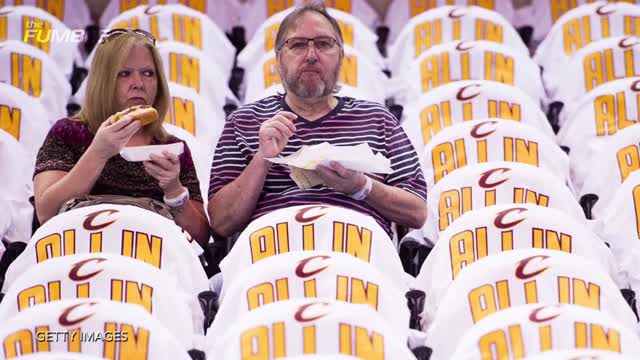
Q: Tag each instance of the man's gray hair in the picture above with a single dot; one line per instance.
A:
(289, 21)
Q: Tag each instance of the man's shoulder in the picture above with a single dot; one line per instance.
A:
(359, 106)
(260, 109)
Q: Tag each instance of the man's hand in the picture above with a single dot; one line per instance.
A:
(275, 133)
(341, 179)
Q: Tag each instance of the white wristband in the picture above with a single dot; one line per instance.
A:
(177, 201)
(364, 192)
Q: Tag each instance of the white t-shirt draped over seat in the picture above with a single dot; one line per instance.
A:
(576, 29)
(466, 100)
(134, 333)
(75, 15)
(492, 139)
(498, 182)
(400, 12)
(313, 227)
(313, 274)
(466, 60)
(496, 229)
(309, 326)
(110, 277)
(121, 229)
(519, 277)
(538, 328)
(35, 73)
(450, 23)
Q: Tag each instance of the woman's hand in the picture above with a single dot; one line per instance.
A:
(112, 136)
(166, 169)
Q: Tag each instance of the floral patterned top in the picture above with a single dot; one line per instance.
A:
(68, 139)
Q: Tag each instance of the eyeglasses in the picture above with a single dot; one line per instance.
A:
(117, 32)
(299, 45)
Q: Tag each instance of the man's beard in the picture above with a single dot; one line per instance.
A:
(298, 87)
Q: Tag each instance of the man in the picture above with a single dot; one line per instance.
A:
(244, 185)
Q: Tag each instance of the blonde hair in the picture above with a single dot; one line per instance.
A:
(109, 58)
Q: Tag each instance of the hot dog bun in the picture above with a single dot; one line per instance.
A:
(145, 113)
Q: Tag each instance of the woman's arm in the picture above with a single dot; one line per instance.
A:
(194, 220)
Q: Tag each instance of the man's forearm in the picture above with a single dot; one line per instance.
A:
(232, 206)
(398, 205)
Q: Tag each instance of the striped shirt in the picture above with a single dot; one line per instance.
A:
(351, 122)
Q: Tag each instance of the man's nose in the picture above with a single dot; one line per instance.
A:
(312, 55)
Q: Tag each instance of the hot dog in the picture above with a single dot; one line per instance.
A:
(145, 113)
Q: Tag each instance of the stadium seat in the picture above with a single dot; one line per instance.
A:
(492, 230)
(59, 356)
(400, 12)
(35, 73)
(491, 139)
(538, 328)
(109, 277)
(616, 157)
(578, 354)
(595, 64)
(466, 60)
(309, 326)
(448, 24)
(461, 101)
(313, 274)
(313, 227)
(519, 277)
(131, 231)
(91, 326)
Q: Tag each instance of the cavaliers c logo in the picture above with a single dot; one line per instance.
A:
(499, 221)
(74, 273)
(301, 272)
(301, 215)
(475, 131)
(312, 312)
(545, 313)
(461, 96)
(521, 269)
(65, 318)
(485, 177)
(88, 221)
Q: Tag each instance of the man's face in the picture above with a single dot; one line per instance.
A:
(314, 71)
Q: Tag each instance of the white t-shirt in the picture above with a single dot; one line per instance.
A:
(313, 274)
(354, 33)
(492, 139)
(531, 329)
(313, 227)
(35, 73)
(542, 14)
(451, 23)
(255, 12)
(467, 60)
(578, 28)
(179, 23)
(599, 114)
(60, 356)
(467, 100)
(357, 71)
(309, 326)
(520, 277)
(224, 13)
(110, 277)
(595, 64)
(24, 118)
(16, 221)
(194, 113)
(131, 231)
(400, 12)
(616, 158)
(188, 66)
(83, 325)
(476, 235)
(74, 14)
(620, 227)
(498, 182)
(44, 31)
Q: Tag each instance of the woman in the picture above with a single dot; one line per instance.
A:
(81, 155)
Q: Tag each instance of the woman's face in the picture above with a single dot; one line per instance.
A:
(137, 82)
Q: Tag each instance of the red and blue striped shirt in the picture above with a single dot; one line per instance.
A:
(351, 122)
